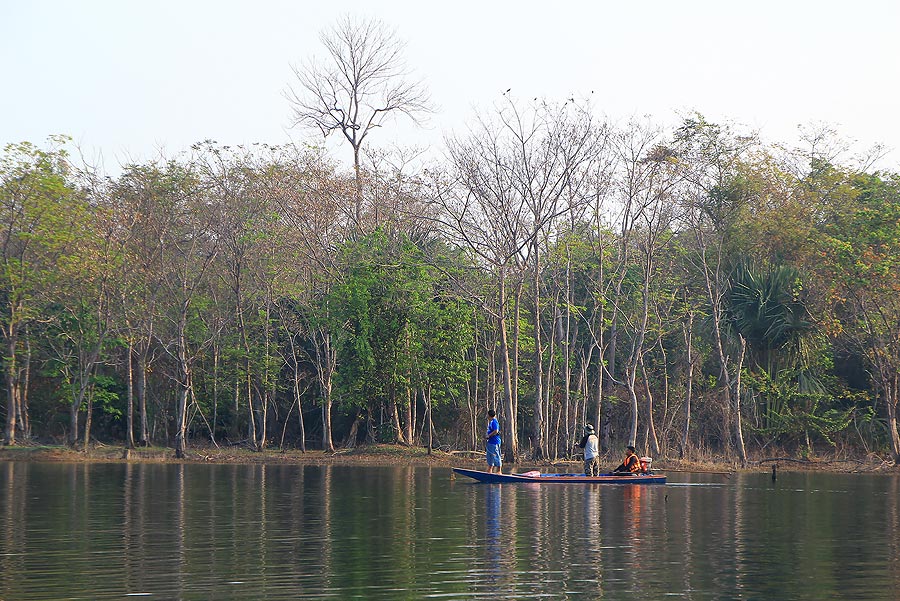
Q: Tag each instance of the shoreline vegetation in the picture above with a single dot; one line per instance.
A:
(385, 455)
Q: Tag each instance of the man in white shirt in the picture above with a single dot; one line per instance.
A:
(591, 455)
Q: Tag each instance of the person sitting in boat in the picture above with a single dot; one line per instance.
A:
(631, 463)
(589, 443)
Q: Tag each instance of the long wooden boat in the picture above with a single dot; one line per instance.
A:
(534, 476)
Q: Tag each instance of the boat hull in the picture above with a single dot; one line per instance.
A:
(492, 478)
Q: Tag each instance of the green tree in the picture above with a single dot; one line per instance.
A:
(860, 256)
(38, 207)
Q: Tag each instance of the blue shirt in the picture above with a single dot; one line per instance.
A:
(494, 425)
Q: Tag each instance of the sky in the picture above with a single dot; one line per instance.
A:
(131, 80)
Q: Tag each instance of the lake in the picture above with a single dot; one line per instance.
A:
(118, 531)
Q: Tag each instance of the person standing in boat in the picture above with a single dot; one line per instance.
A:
(492, 443)
(631, 463)
(590, 445)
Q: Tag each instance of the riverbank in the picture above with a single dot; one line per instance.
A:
(388, 455)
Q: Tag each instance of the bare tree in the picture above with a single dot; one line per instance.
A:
(649, 177)
(483, 213)
(362, 82)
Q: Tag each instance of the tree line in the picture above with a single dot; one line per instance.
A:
(689, 290)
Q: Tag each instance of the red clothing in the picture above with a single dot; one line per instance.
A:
(631, 463)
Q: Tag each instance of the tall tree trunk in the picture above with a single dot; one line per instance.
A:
(651, 427)
(181, 418)
(408, 425)
(251, 410)
(23, 420)
(426, 395)
(510, 446)
(325, 366)
(738, 429)
(88, 418)
(472, 390)
(295, 364)
(538, 452)
(630, 380)
(144, 438)
(268, 380)
(358, 180)
(298, 400)
(12, 383)
(184, 384)
(129, 421)
(215, 384)
(890, 398)
(689, 358)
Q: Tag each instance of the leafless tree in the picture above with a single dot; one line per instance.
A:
(649, 178)
(360, 84)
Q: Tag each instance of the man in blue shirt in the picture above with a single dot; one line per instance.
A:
(492, 443)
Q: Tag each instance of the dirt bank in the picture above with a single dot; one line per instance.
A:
(386, 455)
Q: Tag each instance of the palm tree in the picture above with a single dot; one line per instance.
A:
(764, 306)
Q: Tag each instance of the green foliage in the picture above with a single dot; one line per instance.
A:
(106, 395)
(397, 325)
(791, 412)
(765, 307)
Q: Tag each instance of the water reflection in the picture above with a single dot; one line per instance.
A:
(493, 535)
(315, 532)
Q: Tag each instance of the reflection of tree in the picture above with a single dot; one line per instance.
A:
(328, 559)
(128, 554)
(893, 513)
(687, 570)
(180, 534)
(15, 477)
(263, 530)
(593, 535)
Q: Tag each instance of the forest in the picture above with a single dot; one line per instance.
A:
(691, 290)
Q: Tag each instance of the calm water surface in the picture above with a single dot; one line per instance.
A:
(318, 532)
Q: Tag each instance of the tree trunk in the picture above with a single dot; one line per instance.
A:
(23, 421)
(215, 385)
(184, 384)
(510, 448)
(630, 379)
(325, 366)
(738, 430)
(181, 419)
(409, 425)
(538, 452)
(251, 411)
(88, 418)
(890, 401)
(688, 340)
(144, 438)
(297, 399)
(426, 394)
(651, 427)
(12, 385)
(129, 411)
(358, 180)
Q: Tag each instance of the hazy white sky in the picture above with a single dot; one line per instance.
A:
(126, 78)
